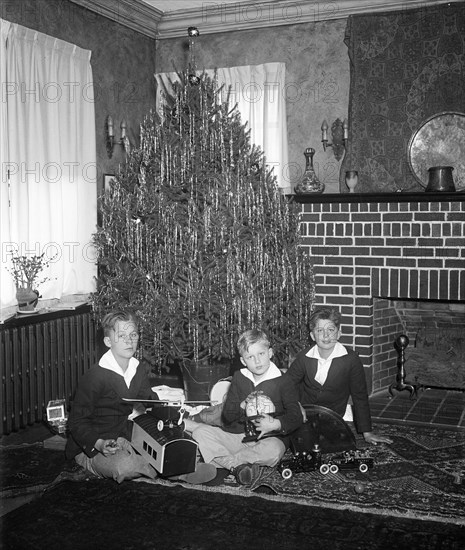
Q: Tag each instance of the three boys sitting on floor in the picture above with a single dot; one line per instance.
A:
(100, 429)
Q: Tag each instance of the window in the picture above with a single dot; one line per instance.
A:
(48, 164)
(259, 91)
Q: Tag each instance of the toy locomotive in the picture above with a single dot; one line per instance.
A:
(308, 461)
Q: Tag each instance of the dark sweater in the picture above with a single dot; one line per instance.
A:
(280, 390)
(346, 378)
(98, 410)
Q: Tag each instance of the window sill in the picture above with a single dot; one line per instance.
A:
(13, 319)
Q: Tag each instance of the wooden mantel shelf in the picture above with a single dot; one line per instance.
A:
(378, 197)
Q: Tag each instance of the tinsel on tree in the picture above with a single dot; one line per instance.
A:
(197, 238)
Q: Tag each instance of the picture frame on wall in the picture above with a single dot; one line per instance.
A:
(107, 181)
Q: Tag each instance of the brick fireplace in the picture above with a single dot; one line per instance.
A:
(371, 251)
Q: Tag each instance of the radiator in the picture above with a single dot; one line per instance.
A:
(40, 362)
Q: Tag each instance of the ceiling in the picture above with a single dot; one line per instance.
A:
(170, 18)
(174, 5)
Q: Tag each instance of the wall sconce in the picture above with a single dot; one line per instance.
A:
(339, 134)
(110, 132)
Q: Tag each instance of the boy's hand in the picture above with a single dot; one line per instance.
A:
(107, 447)
(266, 424)
(374, 439)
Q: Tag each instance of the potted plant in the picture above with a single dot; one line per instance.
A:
(26, 271)
(196, 236)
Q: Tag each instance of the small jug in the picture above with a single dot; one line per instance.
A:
(440, 179)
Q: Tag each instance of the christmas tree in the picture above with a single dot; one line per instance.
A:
(197, 238)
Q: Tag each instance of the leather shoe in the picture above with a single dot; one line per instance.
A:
(246, 474)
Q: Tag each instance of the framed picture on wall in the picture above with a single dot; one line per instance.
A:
(106, 181)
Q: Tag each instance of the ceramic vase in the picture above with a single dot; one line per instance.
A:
(351, 180)
(27, 298)
(309, 183)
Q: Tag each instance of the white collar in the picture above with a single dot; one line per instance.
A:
(272, 372)
(108, 361)
(338, 351)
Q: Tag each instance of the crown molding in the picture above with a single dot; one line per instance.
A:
(135, 14)
(215, 17)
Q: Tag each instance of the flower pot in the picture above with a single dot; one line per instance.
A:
(27, 299)
(199, 378)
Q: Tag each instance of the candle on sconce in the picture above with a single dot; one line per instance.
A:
(345, 126)
(324, 131)
(110, 126)
(123, 129)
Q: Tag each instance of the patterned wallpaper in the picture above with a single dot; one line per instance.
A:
(405, 67)
(317, 80)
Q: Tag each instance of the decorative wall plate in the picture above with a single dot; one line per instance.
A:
(439, 141)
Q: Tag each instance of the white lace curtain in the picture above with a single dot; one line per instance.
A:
(259, 91)
(48, 160)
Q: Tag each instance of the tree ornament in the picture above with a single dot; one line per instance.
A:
(194, 80)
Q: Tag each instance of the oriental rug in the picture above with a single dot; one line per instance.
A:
(138, 516)
(414, 496)
(421, 475)
(31, 468)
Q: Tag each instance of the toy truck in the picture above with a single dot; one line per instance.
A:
(350, 460)
(308, 461)
(301, 461)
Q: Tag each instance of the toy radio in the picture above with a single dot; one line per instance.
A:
(56, 415)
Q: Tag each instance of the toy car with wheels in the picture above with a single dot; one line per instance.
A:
(349, 460)
(301, 461)
(304, 461)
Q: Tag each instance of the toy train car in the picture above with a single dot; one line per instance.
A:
(170, 450)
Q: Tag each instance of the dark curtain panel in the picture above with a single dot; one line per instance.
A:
(406, 66)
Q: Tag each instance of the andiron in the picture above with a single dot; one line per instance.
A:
(402, 342)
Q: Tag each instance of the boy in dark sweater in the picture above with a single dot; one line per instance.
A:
(258, 390)
(100, 422)
(328, 374)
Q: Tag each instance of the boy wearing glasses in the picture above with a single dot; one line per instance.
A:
(99, 427)
(100, 422)
(328, 374)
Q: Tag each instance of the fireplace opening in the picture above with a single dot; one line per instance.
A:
(435, 356)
